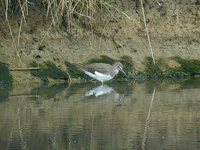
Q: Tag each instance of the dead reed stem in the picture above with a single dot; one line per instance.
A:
(19, 32)
(147, 32)
(46, 33)
(10, 28)
(22, 10)
(11, 33)
(24, 69)
(6, 11)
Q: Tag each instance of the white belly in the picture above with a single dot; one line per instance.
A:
(99, 76)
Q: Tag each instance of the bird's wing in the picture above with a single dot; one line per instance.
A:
(98, 68)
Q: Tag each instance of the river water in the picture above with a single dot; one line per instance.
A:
(90, 116)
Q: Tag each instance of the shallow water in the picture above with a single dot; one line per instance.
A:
(89, 116)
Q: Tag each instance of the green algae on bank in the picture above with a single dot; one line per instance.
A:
(74, 71)
(6, 78)
(153, 70)
(161, 70)
(6, 81)
(48, 70)
(187, 69)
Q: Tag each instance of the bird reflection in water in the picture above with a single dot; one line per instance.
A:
(107, 93)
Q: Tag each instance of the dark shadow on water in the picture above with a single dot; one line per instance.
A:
(163, 85)
(49, 91)
(4, 94)
(187, 84)
(94, 90)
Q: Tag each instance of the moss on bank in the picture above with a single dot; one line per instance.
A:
(6, 81)
(161, 70)
(74, 71)
(187, 69)
(48, 70)
(6, 78)
(153, 70)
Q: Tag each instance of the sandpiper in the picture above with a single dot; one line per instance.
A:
(102, 71)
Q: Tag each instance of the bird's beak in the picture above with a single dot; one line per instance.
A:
(123, 72)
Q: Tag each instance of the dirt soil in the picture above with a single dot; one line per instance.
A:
(174, 28)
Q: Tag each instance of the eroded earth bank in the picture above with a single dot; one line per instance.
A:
(36, 33)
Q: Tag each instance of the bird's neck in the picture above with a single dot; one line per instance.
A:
(115, 71)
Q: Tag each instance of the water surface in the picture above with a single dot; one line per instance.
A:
(91, 116)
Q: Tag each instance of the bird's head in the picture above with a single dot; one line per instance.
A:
(119, 67)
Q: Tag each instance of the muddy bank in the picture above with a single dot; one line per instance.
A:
(173, 27)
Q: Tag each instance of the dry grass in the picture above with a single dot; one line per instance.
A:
(60, 11)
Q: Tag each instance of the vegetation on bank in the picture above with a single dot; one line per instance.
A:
(6, 81)
(188, 69)
(48, 70)
(6, 78)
